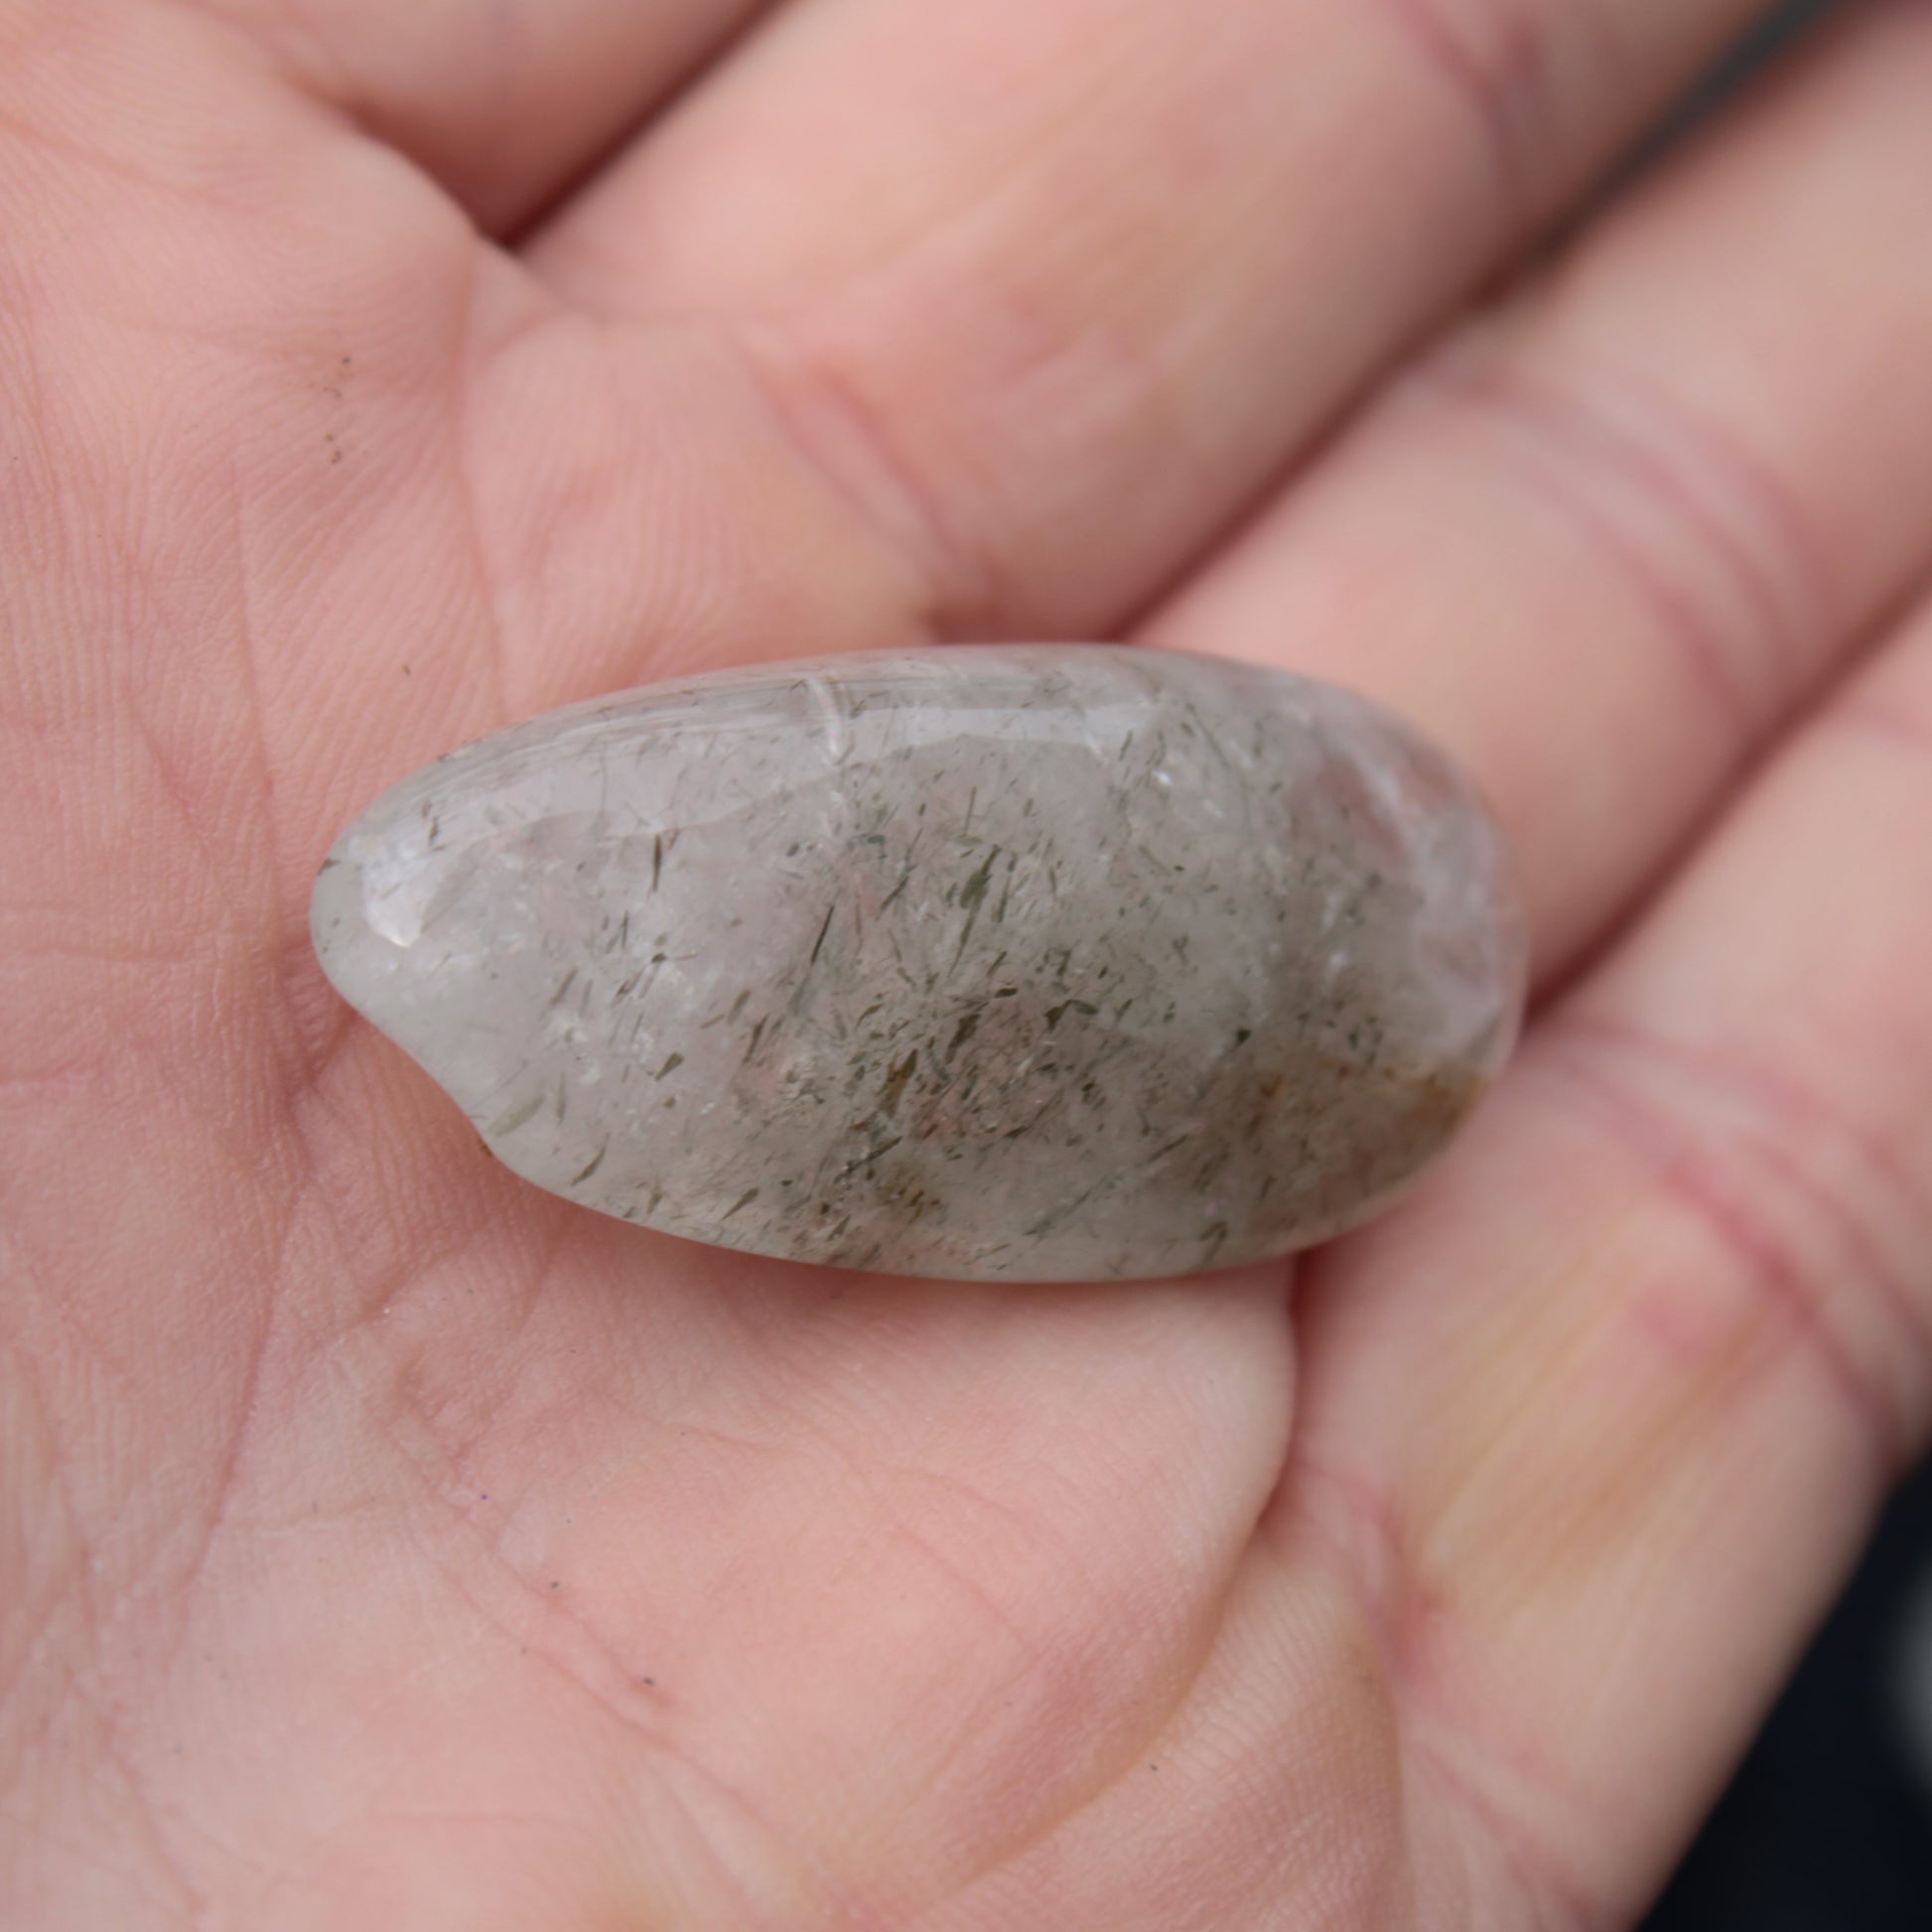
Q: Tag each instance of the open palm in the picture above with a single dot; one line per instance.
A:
(387, 1544)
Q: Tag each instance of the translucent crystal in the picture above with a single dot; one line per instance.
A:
(1045, 963)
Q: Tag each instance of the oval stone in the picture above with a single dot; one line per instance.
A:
(1043, 963)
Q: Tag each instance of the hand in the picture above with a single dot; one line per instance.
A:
(388, 1543)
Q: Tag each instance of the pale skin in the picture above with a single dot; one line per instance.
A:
(387, 1544)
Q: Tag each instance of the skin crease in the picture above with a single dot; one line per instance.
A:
(388, 1543)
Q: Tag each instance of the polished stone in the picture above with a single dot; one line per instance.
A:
(1032, 963)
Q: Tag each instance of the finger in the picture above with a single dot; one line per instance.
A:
(1606, 536)
(1063, 284)
(503, 101)
(1622, 1391)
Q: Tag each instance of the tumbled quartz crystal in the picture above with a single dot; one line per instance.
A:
(1042, 963)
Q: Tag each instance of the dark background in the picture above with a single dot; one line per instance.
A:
(1828, 1826)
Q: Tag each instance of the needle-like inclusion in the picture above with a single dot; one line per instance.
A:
(1050, 963)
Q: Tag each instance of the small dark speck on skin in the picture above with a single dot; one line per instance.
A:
(671, 1065)
(744, 1201)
